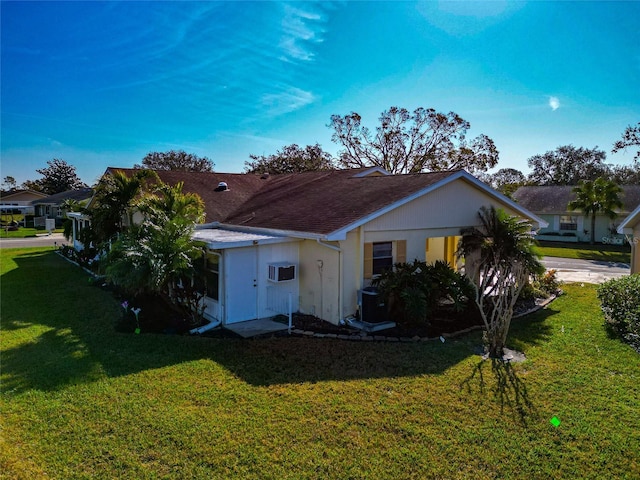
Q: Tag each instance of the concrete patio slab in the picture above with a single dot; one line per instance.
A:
(253, 328)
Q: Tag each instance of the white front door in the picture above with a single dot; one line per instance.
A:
(242, 284)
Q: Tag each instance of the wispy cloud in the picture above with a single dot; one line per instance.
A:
(554, 103)
(300, 29)
(288, 100)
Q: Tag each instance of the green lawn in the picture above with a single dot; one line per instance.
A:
(598, 252)
(26, 232)
(82, 401)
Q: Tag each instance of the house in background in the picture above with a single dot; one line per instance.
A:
(51, 206)
(630, 228)
(550, 203)
(314, 240)
(20, 200)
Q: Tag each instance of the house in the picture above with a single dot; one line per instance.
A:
(19, 200)
(630, 228)
(51, 206)
(550, 203)
(312, 241)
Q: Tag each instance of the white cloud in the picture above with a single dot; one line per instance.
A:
(300, 28)
(554, 103)
(286, 101)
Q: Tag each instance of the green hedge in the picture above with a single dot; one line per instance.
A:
(620, 302)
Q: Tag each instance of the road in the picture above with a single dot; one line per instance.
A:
(587, 271)
(53, 240)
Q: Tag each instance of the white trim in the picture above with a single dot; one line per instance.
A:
(341, 234)
(630, 220)
(371, 170)
(274, 231)
(235, 238)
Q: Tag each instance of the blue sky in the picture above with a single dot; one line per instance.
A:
(101, 84)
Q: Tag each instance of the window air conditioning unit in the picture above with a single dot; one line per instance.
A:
(282, 272)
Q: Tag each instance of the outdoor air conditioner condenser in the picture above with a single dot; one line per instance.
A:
(282, 272)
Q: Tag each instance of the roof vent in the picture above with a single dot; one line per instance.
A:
(222, 187)
(264, 176)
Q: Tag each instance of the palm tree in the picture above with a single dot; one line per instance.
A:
(500, 258)
(114, 201)
(156, 254)
(597, 196)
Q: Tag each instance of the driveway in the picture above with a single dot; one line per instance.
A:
(44, 240)
(587, 271)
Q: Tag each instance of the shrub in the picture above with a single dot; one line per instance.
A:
(620, 302)
(542, 286)
(548, 283)
(413, 291)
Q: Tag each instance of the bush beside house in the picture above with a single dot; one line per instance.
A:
(620, 303)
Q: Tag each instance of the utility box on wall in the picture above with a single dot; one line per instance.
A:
(282, 272)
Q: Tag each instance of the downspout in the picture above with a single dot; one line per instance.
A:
(340, 267)
(205, 328)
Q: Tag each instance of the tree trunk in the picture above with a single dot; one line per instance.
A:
(593, 228)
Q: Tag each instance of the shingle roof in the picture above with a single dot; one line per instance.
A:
(314, 202)
(57, 198)
(554, 199)
(323, 202)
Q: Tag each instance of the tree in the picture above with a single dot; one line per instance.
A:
(593, 197)
(630, 138)
(32, 185)
(58, 177)
(500, 258)
(291, 159)
(626, 174)
(176, 160)
(113, 202)
(568, 165)
(505, 180)
(9, 183)
(412, 142)
(158, 254)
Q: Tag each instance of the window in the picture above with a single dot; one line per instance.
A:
(568, 223)
(382, 257)
(212, 276)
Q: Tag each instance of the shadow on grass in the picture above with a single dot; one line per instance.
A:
(507, 387)
(531, 330)
(78, 343)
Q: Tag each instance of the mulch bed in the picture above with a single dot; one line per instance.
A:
(438, 324)
(156, 316)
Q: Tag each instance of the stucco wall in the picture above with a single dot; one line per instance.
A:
(448, 208)
(319, 282)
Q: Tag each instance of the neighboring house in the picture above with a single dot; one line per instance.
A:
(316, 239)
(20, 200)
(550, 203)
(51, 206)
(630, 228)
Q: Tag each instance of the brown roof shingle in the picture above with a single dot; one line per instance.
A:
(313, 202)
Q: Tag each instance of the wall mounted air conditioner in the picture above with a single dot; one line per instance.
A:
(282, 272)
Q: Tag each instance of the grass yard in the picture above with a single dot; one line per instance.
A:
(583, 251)
(26, 232)
(82, 401)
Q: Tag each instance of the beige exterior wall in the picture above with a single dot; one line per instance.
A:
(450, 208)
(635, 250)
(319, 282)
